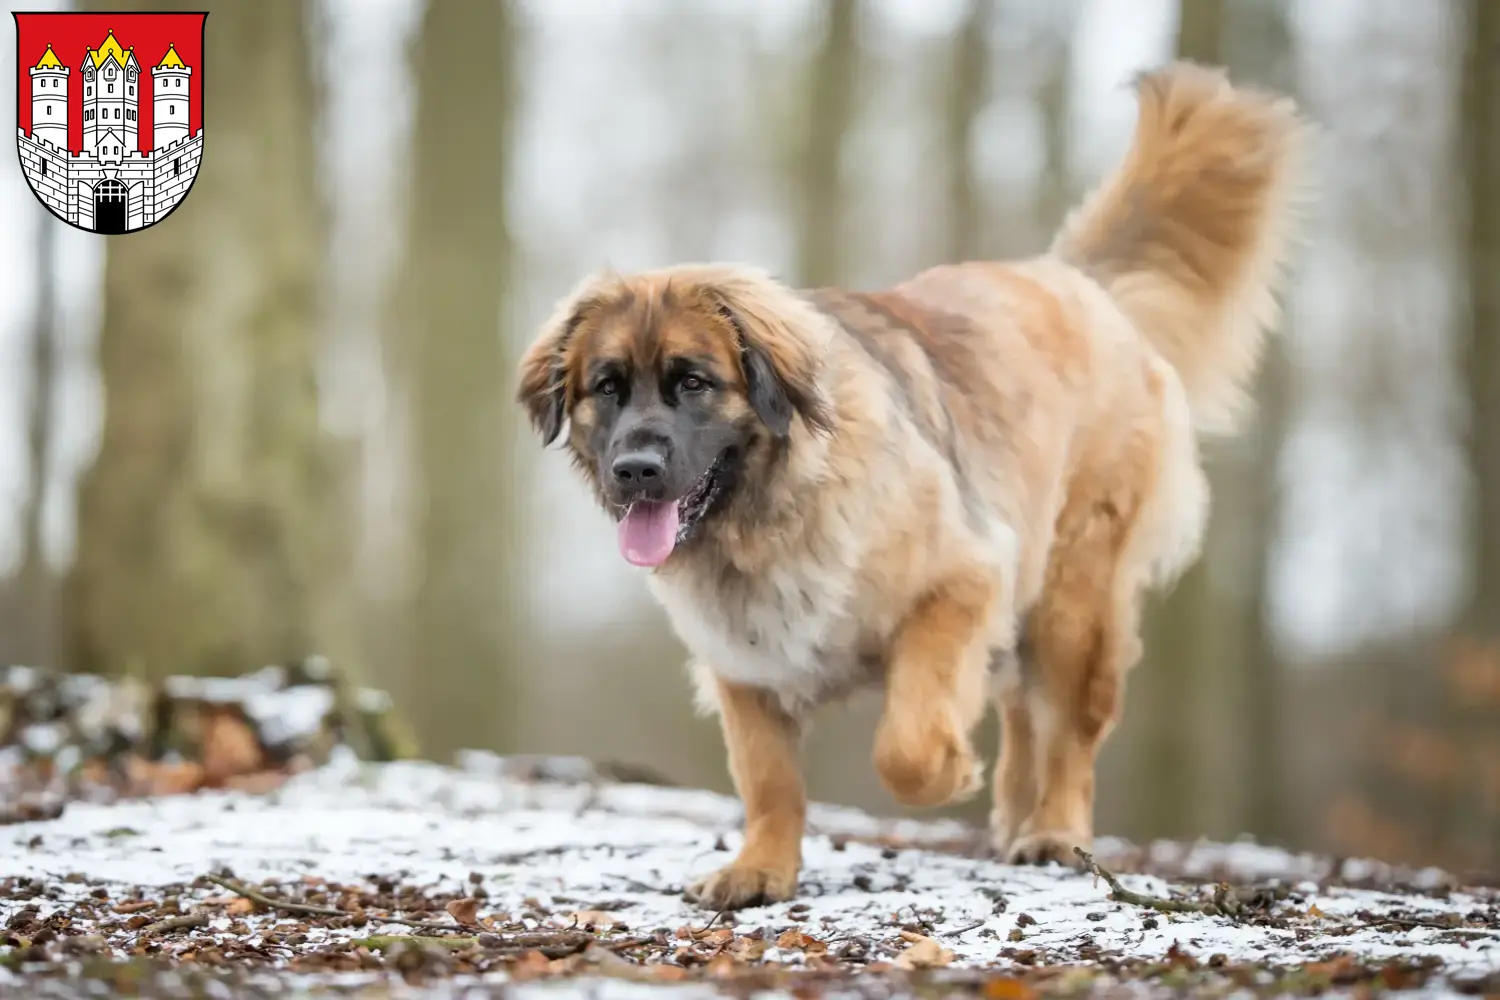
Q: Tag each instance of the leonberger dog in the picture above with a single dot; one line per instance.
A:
(958, 487)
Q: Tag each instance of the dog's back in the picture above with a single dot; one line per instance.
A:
(1074, 387)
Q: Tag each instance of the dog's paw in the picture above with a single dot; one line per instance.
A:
(735, 887)
(1046, 846)
(1002, 831)
(935, 768)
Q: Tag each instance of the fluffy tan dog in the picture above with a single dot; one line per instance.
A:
(959, 487)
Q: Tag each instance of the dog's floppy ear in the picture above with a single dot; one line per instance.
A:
(543, 387)
(781, 363)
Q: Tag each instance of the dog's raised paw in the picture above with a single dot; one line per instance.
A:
(1046, 846)
(927, 766)
(735, 887)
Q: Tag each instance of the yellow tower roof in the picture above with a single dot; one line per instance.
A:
(171, 60)
(49, 60)
(111, 49)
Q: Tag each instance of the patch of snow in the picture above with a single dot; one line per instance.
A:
(634, 846)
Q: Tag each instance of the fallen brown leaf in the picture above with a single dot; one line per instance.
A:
(721, 966)
(531, 965)
(924, 953)
(465, 911)
(1007, 988)
(794, 938)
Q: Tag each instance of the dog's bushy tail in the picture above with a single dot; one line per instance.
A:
(1190, 232)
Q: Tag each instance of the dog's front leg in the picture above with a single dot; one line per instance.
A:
(762, 739)
(935, 693)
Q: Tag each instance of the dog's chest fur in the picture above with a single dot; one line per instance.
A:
(792, 629)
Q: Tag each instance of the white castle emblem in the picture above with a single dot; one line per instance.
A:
(110, 186)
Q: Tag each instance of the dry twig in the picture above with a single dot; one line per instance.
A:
(964, 929)
(197, 918)
(1120, 894)
(288, 906)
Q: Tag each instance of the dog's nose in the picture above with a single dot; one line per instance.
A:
(640, 470)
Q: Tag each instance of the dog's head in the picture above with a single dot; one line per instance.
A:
(677, 387)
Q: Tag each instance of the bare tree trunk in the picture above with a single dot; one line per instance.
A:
(201, 541)
(35, 581)
(451, 306)
(968, 85)
(1259, 46)
(1481, 131)
(1178, 631)
(821, 236)
(1481, 123)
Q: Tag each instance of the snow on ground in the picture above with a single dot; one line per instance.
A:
(373, 839)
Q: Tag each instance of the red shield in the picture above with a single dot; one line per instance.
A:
(109, 114)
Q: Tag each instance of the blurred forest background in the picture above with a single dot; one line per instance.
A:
(282, 422)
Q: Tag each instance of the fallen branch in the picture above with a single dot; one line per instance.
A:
(288, 906)
(197, 918)
(1120, 894)
(558, 944)
(270, 902)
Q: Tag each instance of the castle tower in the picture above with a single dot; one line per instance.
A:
(49, 100)
(111, 98)
(170, 85)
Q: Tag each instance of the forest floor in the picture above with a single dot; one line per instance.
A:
(538, 877)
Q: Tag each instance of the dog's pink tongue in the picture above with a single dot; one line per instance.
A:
(648, 532)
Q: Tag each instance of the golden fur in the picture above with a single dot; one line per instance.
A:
(985, 467)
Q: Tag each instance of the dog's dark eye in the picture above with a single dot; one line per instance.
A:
(606, 387)
(692, 383)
